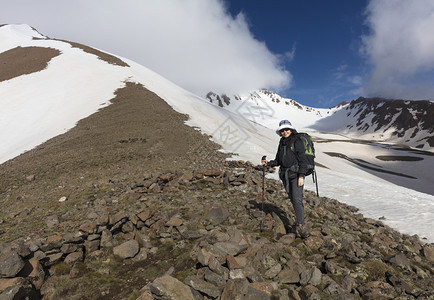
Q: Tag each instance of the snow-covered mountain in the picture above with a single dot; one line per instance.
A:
(269, 107)
(399, 122)
(47, 85)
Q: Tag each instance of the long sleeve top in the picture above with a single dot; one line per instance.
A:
(291, 155)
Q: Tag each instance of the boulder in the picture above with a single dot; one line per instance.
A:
(91, 246)
(202, 286)
(10, 263)
(273, 271)
(106, 238)
(311, 276)
(291, 272)
(53, 259)
(168, 287)
(74, 257)
(214, 278)
(223, 249)
(204, 256)
(236, 262)
(265, 287)
(377, 290)
(20, 289)
(127, 250)
(235, 289)
(428, 252)
(399, 260)
(120, 216)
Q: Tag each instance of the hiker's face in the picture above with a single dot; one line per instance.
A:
(285, 132)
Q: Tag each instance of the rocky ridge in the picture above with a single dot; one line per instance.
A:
(196, 235)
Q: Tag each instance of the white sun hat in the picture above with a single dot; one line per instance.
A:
(282, 125)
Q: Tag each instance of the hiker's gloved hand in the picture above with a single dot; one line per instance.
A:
(300, 181)
(264, 162)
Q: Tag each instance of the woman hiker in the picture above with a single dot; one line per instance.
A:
(291, 158)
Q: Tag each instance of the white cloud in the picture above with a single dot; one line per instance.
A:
(355, 80)
(400, 48)
(290, 55)
(340, 72)
(195, 43)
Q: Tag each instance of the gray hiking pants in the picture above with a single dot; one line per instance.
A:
(295, 194)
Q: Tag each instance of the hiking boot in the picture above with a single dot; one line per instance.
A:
(302, 231)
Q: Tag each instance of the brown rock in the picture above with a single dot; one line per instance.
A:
(428, 252)
(74, 257)
(145, 215)
(377, 290)
(213, 173)
(154, 188)
(117, 218)
(186, 177)
(8, 282)
(287, 239)
(235, 289)
(37, 274)
(19, 288)
(88, 226)
(128, 227)
(147, 295)
(202, 286)
(131, 196)
(91, 246)
(232, 262)
(174, 221)
(213, 180)
(31, 177)
(263, 286)
(167, 177)
(53, 259)
(168, 287)
(198, 175)
(239, 262)
(127, 250)
(291, 273)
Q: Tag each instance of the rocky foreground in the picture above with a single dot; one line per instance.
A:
(197, 235)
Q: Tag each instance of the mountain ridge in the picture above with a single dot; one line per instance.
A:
(375, 119)
(402, 122)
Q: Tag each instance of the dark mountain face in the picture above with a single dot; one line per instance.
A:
(411, 121)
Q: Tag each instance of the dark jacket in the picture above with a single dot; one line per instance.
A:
(295, 160)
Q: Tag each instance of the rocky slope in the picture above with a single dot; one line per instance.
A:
(134, 204)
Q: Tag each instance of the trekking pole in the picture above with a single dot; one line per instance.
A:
(263, 189)
(315, 180)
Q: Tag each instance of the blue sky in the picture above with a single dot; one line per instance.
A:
(321, 40)
(316, 52)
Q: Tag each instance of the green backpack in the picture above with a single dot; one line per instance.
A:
(310, 155)
(309, 151)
